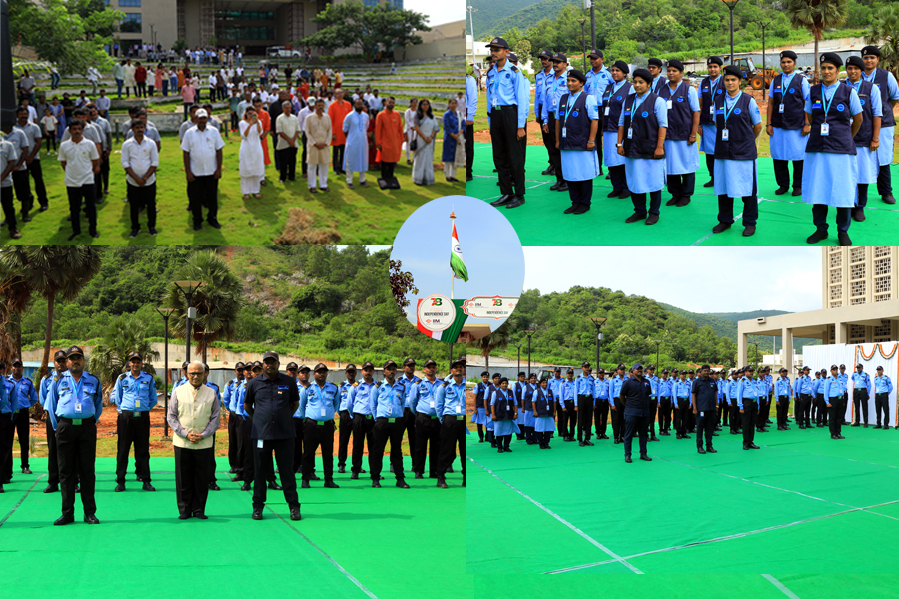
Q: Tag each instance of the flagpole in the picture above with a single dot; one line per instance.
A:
(452, 274)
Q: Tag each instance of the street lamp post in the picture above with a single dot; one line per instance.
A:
(188, 288)
(598, 322)
(530, 331)
(166, 313)
(583, 42)
(592, 27)
(756, 344)
(657, 352)
(765, 24)
(470, 10)
(731, 4)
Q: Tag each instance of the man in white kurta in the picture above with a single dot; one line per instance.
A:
(355, 126)
(317, 127)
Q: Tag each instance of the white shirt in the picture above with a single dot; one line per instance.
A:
(79, 161)
(140, 157)
(375, 102)
(287, 124)
(202, 146)
(103, 103)
(33, 133)
(8, 153)
(301, 116)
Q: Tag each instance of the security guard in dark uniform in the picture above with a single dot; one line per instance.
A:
(345, 428)
(747, 401)
(74, 404)
(59, 361)
(584, 387)
(452, 411)
(655, 66)
(704, 395)
(408, 380)
(861, 391)
(318, 403)
(710, 88)
(270, 401)
(508, 102)
(423, 398)
(363, 422)
(387, 408)
(22, 397)
(134, 396)
(635, 393)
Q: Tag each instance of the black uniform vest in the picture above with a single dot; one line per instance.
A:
(615, 102)
(839, 140)
(881, 78)
(645, 125)
(741, 138)
(866, 131)
(543, 403)
(680, 115)
(705, 92)
(577, 123)
(504, 408)
(793, 116)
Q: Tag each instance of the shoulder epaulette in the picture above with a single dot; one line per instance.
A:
(122, 376)
(355, 384)
(514, 69)
(445, 383)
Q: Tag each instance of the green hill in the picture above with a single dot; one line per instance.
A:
(491, 12)
(523, 18)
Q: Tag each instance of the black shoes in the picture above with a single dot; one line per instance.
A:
(212, 487)
(635, 217)
(27, 470)
(441, 483)
(683, 201)
(341, 470)
(313, 476)
(148, 486)
(62, 520)
(652, 219)
(749, 231)
(588, 443)
(549, 171)
(516, 202)
(330, 484)
(817, 236)
(844, 239)
(858, 214)
(781, 190)
(52, 489)
(710, 183)
(119, 487)
(645, 458)
(91, 519)
(570, 209)
(563, 186)
(354, 476)
(580, 443)
(673, 201)
(257, 514)
(274, 486)
(624, 194)
(854, 424)
(295, 513)
(613, 194)
(183, 516)
(246, 487)
(797, 192)
(628, 459)
(555, 186)
(305, 485)
(700, 450)
(200, 515)
(710, 450)
(889, 199)
(375, 484)
(402, 484)
(753, 446)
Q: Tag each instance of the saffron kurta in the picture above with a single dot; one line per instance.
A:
(389, 135)
(355, 128)
(318, 130)
(338, 111)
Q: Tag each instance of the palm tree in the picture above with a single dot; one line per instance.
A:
(14, 297)
(50, 271)
(125, 334)
(817, 16)
(498, 339)
(885, 29)
(218, 300)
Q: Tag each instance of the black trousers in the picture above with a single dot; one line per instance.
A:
(636, 425)
(203, 192)
(705, 423)
(362, 429)
(600, 415)
(240, 442)
(192, 476)
(819, 217)
(345, 431)
(568, 429)
(783, 407)
(653, 409)
(76, 195)
(884, 182)
(469, 148)
(104, 173)
(723, 412)
(710, 165)
(133, 428)
(250, 467)
(555, 154)
(598, 145)
(9, 208)
(585, 417)
(782, 174)
(760, 417)
(750, 209)
(750, 409)
(639, 201)
(580, 192)
(682, 186)
(232, 441)
(384, 431)
(34, 169)
(452, 432)
(262, 464)
(799, 409)
(507, 154)
(822, 410)
(681, 423)
(299, 428)
(860, 400)
(427, 432)
(665, 414)
(617, 420)
(7, 430)
(23, 191)
(409, 428)
(52, 459)
(387, 169)
(138, 198)
(549, 140)
(882, 404)
(315, 435)
(618, 177)
(77, 452)
(287, 159)
(23, 432)
(234, 120)
(303, 157)
(736, 418)
(862, 200)
(337, 157)
(835, 412)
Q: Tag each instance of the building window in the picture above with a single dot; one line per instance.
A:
(858, 270)
(836, 275)
(882, 266)
(857, 254)
(836, 304)
(131, 23)
(882, 298)
(836, 292)
(858, 288)
(836, 259)
(857, 301)
(856, 333)
(884, 331)
(241, 15)
(881, 250)
(129, 2)
(881, 284)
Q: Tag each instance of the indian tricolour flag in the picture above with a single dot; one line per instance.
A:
(457, 262)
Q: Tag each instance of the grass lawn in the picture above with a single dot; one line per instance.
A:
(348, 216)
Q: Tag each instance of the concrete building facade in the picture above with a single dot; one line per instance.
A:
(860, 303)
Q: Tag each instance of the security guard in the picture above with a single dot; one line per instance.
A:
(600, 404)
(409, 379)
(248, 474)
(861, 391)
(704, 399)
(735, 416)
(522, 141)
(598, 79)
(710, 88)
(237, 414)
(782, 389)
(830, 174)
(213, 482)
(490, 437)
(387, 408)
(5, 423)
(134, 396)
(519, 392)
(75, 404)
(616, 402)
(833, 393)
(883, 386)
(318, 403)
(59, 362)
(556, 87)
(635, 396)
(345, 428)
(747, 401)
(844, 378)
(653, 400)
(681, 151)
(655, 66)
(359, 403)
(22, 397)
(545, 58)
(302, 383)
(183, 378)
(544, 408)
(802, 391)
(867, 140)
(270, 400)
(508, 101)
(423, 398)
(480, 416)
(527, 409)
(227, 399)
(613, 104)
(885, 81)
(681, 390)
(583, 388)
(566, 399)
(786, 118)
(664, 391)
(451, 409)
(299, 421)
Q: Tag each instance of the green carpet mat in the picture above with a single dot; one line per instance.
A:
(352, 542)
(783, 220)
(788, 509)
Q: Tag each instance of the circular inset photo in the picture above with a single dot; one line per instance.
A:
(463, 290)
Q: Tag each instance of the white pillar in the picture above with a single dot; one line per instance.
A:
(786, 335)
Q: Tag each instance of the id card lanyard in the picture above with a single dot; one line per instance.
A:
(727, 113)
(637, 101)
(79, 393)
(712, 89)
(321, 398)
(571, 100)
(825, 128)
(669, 102)
(613, 88)
(784, 85)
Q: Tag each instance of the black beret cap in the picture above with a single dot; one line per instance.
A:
(831, 58)
(871, 51)
(429, 362)
(577, 74)
(409, 361)
(292, 366)
(368, 365)
(733, 70)
(59, 354)
(270, 355)
(715, 60)
(457, 362)
(559, 57)
(76, 351)
(240, 366)
(643, 74)
(184, 365)
(16, 362)
(676, 64)
(656, 62)
(350, 367)
(788, 54)
(621, 66)
(855, 61)
(304, 367)
(545, 54)
(498, 42)
(133, 355)
(320, 366)
(585, 364)
(388, 364)
(513, 57)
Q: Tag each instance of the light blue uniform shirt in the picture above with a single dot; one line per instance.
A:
(451, 399)
(885, 151)
(615, 389)
(229, 396)
(5, 407)
(539, 91)
(471, 98)
(76, 400)
(135, 394)
(832, 388)
(508, 87)
(598, 82)
(423, 397)
(782, 386)
(23, 395)
(319, 403)
(389, 401)
(803, 385)
(556, 87)
(883, 384)
(240, 395)
(214, 387)
(861, 381)
(360, 397)
(816, 383)
(601, 389)
(346, 387)
(583, 385)
(844, 378)
(664, 387)
(654, 387)
(555, 385)
(682, 389)
(408, 383)
(566, 391)
(746, 389)
(45, 386)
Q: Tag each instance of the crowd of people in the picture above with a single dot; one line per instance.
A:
(273, 418)
(701, 401)
(651, 129)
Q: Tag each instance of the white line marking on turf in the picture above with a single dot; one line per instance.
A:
(780, 586)
(702, 240)
(592, 541)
